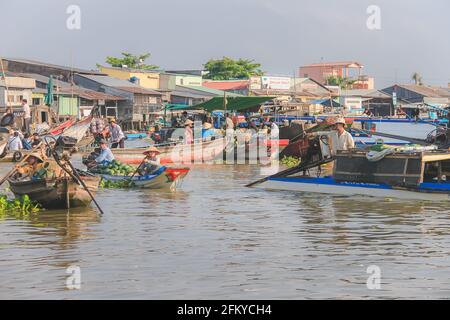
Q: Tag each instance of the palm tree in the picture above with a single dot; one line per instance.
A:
(417, 78)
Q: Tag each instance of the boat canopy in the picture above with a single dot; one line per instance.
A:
(232, 103)
(176, 107)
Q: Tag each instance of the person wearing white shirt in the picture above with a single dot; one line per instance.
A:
(345, 140)
(274, 130)
(15, 142)
(26, 115)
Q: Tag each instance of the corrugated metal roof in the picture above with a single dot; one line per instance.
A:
(140, 90)
(365, 93)
(44, 64)
(67, 88)
(427, 91)
(120, 84)
(208, 91)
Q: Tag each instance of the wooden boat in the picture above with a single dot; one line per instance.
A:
(418, 175)
(164, 178)
(181, 153)
(60, 193)
(254, 152)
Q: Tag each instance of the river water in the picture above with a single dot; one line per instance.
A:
(216, 239)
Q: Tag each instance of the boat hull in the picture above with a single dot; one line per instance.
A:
(60, 193)
(167, 179)
(330, 186)
(179, 154)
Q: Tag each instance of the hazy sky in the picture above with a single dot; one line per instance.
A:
(281, 34)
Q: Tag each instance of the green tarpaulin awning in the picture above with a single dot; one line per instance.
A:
(233, 103)
(174, 107)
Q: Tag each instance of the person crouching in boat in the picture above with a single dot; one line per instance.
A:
(106, 156)
(37, 167)
(34, 162)
(151, 162)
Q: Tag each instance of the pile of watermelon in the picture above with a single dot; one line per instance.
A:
(114, 168)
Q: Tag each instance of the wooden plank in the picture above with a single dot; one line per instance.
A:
(435, 157)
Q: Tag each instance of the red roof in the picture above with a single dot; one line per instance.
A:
(227, 85)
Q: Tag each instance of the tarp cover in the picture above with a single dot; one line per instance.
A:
(233, 103)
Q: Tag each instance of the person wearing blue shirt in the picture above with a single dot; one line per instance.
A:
(106, 154)
(208, 130)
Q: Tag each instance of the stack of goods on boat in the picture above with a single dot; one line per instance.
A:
(53, 183)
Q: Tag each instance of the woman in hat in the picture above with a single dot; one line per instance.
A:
(151, 162)
(33, 163)
(208, 130)
(188, 133)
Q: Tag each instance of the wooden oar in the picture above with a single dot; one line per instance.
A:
(290, 171)
(137, 169)
(16, 167)
(77, 177)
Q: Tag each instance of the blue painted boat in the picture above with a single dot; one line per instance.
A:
(164, 178)
(135, 136)
(409, 174)
(424, 191)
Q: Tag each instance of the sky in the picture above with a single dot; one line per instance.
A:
(280, 34)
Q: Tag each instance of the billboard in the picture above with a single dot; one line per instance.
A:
(276, 83)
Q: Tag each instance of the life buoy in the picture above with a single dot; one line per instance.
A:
(17, 156)
(7, 120)
(4, 153)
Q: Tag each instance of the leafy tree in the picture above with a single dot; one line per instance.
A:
(417, 78)
(131, 61)
(342, 82)
(228, 68)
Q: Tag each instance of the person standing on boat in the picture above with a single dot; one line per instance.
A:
(117, 136)
(151, 162)
(274, 130)
(188, 133)
(106, 155)
(229, 127)
(345, 140)
(26, 115)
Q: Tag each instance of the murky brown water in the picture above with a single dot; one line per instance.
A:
(216, 239)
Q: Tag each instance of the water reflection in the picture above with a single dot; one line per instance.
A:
(216, 239)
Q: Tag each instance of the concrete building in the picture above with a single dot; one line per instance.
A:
(139, 106)
(70, 100)
(169, 81)
(149, 79)
(352, 70)
(357, 100)
(232, 86)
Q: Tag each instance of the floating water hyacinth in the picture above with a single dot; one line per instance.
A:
(22, 205)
